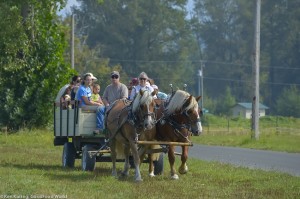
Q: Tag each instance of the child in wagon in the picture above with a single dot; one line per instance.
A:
(95, 97)
(66, 98)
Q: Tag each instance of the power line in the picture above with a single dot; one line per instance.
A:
(246, 81)
(199, 61)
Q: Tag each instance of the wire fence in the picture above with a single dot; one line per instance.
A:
(273, 124)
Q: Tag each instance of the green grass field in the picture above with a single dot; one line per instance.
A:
(31, 166)
(276, 133)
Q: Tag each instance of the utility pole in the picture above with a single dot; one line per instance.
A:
(202, 65)
(72, 41)
(200, 83)
(256, 57)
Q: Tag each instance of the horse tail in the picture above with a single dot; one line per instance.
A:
(120, 150)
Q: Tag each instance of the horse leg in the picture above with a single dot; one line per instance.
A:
(183, 169)
(171, 157)
(151, 165)
(126, 164)
(142, 154)
(113, 157)
(134, 150)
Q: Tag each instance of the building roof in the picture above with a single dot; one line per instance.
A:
(249, 105)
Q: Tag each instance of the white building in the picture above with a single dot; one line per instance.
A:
(244, 110)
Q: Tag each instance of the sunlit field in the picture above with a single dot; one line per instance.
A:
(275, 133)
(31, 166)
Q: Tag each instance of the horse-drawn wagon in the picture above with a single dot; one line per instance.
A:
(74, 130)
(170, 124)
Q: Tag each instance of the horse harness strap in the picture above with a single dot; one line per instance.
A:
(176, 126)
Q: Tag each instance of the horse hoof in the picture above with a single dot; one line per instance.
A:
(114, 174)
(183, 170)
(175, 177)
(138, 180)
(124, 174)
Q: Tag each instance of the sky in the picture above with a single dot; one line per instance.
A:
(71, 3)
(67, 9)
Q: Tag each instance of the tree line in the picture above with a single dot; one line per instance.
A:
(162, 38)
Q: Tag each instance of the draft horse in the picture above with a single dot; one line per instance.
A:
(125, 122)
(176, 121)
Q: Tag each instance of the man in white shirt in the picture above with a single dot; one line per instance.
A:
(141, 86)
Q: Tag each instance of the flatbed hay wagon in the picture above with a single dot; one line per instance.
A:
(73, 129)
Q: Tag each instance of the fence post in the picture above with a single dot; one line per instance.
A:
(277, 129)
(207, 125)
(228, 124)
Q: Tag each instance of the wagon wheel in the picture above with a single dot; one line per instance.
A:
(68, 156)
(88, 162)
(159, 165)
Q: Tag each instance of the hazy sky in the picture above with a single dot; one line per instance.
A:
(71, 3)
(67, 9)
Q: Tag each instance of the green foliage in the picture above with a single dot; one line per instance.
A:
(225, 37)
(32, 66)
(150, 36)
(287, 104)
(225, 31)
(225, 103)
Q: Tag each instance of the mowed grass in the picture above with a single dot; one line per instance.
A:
(275, 133)
(31, 166)
(268, 140)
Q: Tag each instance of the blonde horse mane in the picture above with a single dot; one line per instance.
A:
(146, 98)
(178, 100)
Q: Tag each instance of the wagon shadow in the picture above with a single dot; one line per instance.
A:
(79, 175)
(32, 166)
(57, 172)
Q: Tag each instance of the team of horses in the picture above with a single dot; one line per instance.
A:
(150, 119)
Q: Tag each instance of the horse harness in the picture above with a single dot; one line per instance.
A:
(136, 121)
(175, 125)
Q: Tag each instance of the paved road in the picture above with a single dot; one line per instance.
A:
(257, 159)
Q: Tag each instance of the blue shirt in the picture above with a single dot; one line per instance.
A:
(83, 91)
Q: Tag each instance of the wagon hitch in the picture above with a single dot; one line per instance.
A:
(103, 149)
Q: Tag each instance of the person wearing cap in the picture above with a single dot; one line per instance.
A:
(84, 94)
(160, 95)
(92, 76)
(116, 90)
(143, 77)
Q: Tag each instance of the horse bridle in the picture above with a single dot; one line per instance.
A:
(177, 126)
(138, 120)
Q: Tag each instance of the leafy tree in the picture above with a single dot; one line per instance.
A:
(225, 103)
(287, 103)
(87, 59)
(224, 31)
(31, 58)
(280, 46)
(151, 36)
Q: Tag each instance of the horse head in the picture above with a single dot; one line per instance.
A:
(143, 109)
(184, 107)
(191, 111)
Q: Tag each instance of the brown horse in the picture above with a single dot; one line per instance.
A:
(176, 121)
(126, 123)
